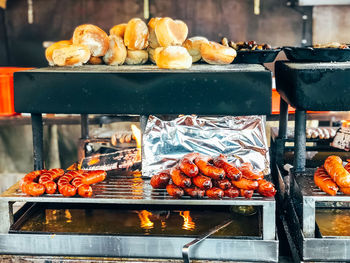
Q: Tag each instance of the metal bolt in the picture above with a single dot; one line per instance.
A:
(304, 17)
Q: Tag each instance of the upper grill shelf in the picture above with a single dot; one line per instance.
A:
(236, 89)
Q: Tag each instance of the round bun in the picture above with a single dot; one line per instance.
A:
(153, 42)
(116, 53)
(151, 53)
(95, 61)
(136, 34)
(93, 37)
(118, 30)
(170, 32)
(215, 53)
(193, 46)
(173, 57)
(50, 49)
(72, 55)
(136, 57)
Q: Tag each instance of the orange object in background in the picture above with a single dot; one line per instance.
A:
(276, 103)
(6, 90)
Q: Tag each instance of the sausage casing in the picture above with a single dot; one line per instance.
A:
(334, 167)
(248, 173)
(246, 184)
(266, 188)
(231, 192)
(223, 184)
(325, 182)
(160, 180)
(174, 190)
(187, 165)
(246, 193)
(179, 178)
(207, 169)
(94, 177)
(231, 171)
(194, 192)
(215, 193)
(202, 181)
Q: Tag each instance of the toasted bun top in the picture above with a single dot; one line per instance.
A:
(170, 32)
(118, 30)
(136, 34)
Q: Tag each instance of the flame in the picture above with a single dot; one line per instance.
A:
(146, 223)
(188, 223)
(345, 123)
(136, 132)
(94, 160)
(68, 216)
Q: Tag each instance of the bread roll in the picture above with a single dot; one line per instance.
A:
(170, 32)
(193, 46)
(151, 52)
(118, 30)
(93, 37)
(95, 61)
(72, 55)
(136, 34)
(50, 49)
(153, 42)
(116, 53)
(173, 57)
(136, 57)
(215, 53)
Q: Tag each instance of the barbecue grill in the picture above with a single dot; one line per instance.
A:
(203, 90)
(309, 86)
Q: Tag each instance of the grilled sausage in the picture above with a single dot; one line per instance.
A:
(84, 190)
(231, 171)
(345, 190)
(246, 193)
(223, 184)
(246, 184)
(202, 181)
(266, 188)
(64, 186)
(231, 192)
(334, 167)
(47, 179)
(94, 177)
(187, 165)
(160, 180)
(325, 182)
(179, 178)
(194, 192)
(29, 187)
(207, 169)
(215, 193)
(247, 172)
(174, 190)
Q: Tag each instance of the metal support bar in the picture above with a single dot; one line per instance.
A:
(6, 216)
(300, 141)
(283, 124)
(309, 217)
(269, 220)
(37, 129)
(84, 126)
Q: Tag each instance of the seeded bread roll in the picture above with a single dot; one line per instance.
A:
(93, 37)
(217, 54)
(118, 30)
(116, 54)
(50, 49)
(136, 57)
(170, 32)
(153, 42)
(173, 57)
(136, 34)
(72, 55)
(193, 46)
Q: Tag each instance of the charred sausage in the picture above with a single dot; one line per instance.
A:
(160, 180)
(223, 184)
(231, 171)
(174, 190)
(246, 193)
(194, 192)
(187, 165)
(334, 167)
(208, 169)
(179, 178)
(215, 193)
(202, 181)
(231, 192)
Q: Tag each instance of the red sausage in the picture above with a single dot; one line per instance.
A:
(266, 188)
(231, 171)
(246, 193)
(174, 191)
(325, 182)
(94, 177)
(160, 180)
(194, 192)
(187, 165)
(247, 172)
(203, 182)
(179, 178)
(207, 169)
(223, 184)
(334, 167)
(29, 187)
(215, 193)
(64, 186)
(84, 190)
(231, 192)
(246, 184)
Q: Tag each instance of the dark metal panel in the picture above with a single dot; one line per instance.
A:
(231, 90)
(314, 86)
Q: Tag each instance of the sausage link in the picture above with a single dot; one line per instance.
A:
(207, 169)
(246, 193)
(247, 172)
(231, 192)
(29, 187)
(334, 167)
(215, 193)
(194, 192)
(174, 190)
(345, 190)
(266, 188)
(231, 171)
(94, 177)
(64, 186)
(223, 184)
(84, 190)
(160, 180)
(325, 182)
(202, 181)
(246, 184)
(187, 165)
(179, 178)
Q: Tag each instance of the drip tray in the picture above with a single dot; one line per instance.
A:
(333, 222)
(136, 220)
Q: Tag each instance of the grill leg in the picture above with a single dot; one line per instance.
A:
(37, 128)
(300, 141)
(6, 216)
(84, 125)
(282, 132)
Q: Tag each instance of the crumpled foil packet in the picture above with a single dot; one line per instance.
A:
(242, 139)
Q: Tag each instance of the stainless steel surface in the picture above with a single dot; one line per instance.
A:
(242, 139)
(186, 248)
(131, 246)
(323, 2)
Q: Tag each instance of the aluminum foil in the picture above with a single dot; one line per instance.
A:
(242, 139)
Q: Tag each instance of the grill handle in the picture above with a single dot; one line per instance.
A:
(186, 247)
